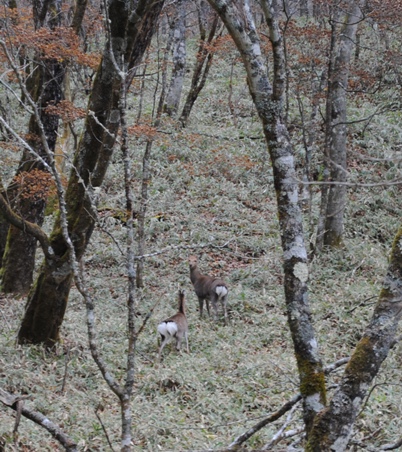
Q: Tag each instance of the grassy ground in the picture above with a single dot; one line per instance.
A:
(236, 374)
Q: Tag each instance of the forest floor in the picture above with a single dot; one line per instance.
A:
(211, 185)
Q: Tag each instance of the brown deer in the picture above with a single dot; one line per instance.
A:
(174, 327)
(208, 288)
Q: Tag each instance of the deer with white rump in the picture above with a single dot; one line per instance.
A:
(174, 327)
(208, 288)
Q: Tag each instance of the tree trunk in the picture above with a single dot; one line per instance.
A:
(319, 243)
(179, 61)
(269, 104)
(45, 88)
(202, 64)
(130, 34)
(337, 93)
(146, 178)
(333, 426)
(19, 256)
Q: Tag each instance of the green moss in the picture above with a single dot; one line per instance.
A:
(312, 379)
(360, 361)
(319, 434)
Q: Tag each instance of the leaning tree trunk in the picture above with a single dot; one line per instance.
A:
(269, 104)
(337, 130)
(333, 426)
(203, 62)
(130, 34)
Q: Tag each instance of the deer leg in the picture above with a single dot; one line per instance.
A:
(207, 303)
(201, 303)
(164, 342)
(186, 337)
(178, 342)
(225, 312)
(215, 306)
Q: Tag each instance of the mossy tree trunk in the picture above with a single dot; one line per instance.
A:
(29, 189)
(28, 192)
(130, 34)
(269, 99)
(333, 426)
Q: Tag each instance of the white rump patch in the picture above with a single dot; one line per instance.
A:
(167, 328)
(221, 291)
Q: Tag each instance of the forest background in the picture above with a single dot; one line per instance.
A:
(184, 169)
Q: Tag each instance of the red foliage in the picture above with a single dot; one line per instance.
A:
(34, 185)
(66, 110)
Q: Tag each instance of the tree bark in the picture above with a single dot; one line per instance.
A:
(203, 62)
(179, 61)
(19, 256)
(333, 426)
(269, 104)
(46, 88)
(130, 34)
(337, 128)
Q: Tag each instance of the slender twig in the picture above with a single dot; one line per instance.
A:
(363, 303)
(279, 435)
(182, 247)
(63, 385)
(352, 184)
(103, 428)
(375, 386)
(147, 317)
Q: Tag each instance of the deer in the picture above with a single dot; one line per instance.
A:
(175, 326)
(208, 288)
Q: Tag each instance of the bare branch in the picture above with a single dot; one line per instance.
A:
(13, 401)
(27, 226)
(281, 433)
(182, 247)
(273, 417)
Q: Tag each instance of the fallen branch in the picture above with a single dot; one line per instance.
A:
(16, 403)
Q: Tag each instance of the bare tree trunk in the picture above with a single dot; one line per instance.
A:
(179, 61)
(269, 102)
(146, 177)
(337, 92)
(203, 61)
(50, 293)
(319, 243)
